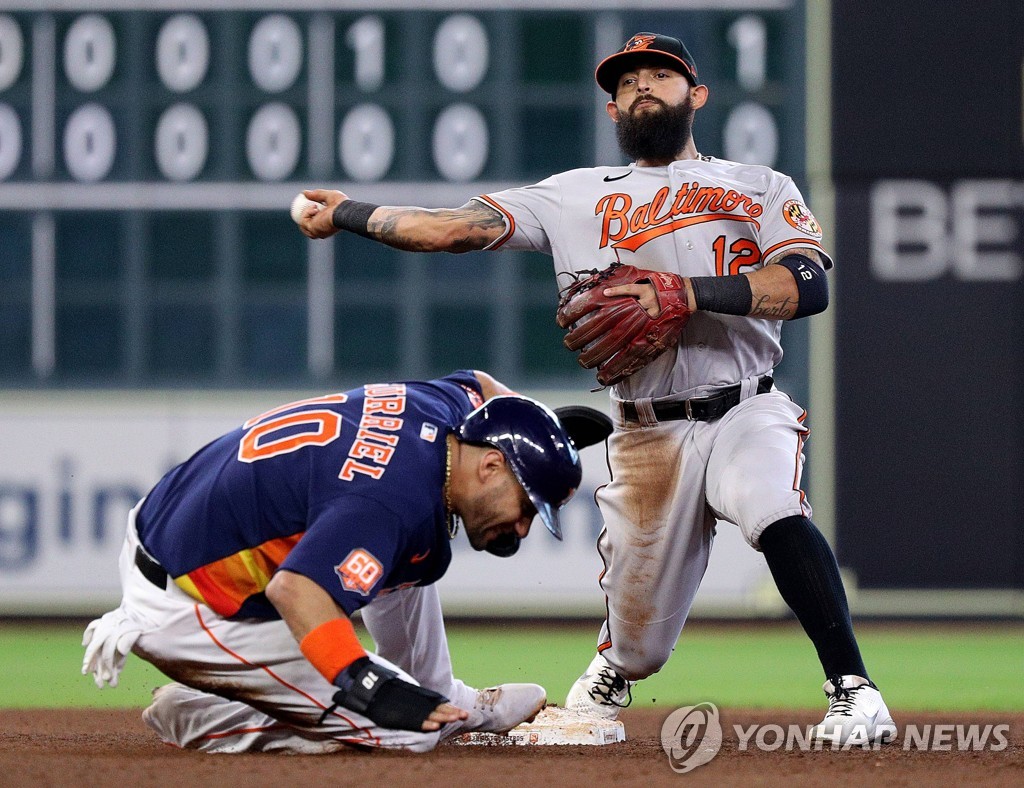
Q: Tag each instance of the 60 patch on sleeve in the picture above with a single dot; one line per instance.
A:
(360, 571)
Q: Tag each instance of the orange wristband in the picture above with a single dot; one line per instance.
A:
(332, 647)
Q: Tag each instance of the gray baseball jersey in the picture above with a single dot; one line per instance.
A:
(672, 480)
(698, 217)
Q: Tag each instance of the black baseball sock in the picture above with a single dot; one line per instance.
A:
(807, 576)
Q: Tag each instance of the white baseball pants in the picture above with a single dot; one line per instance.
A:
(247, 685)
(670, 483)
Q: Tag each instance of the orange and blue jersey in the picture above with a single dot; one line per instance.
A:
(345, 489)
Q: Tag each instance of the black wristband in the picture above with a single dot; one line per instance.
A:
(728, 295)
(381, 696)
(354, 216)
(402, 706)
(359, 683)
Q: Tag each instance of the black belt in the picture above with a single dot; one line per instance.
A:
(698, 408)
(150, 569)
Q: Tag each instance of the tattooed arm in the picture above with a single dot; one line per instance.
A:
(774, 288)
(772, 291)
(465, 229)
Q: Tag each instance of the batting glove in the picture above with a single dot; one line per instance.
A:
(108, 641)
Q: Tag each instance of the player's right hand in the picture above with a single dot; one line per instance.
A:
(644, 293)
(382, 696)
(321, 223)
(442, 715)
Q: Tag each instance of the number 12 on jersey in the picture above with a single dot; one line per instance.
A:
(744, 253)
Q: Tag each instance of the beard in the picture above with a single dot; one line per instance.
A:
(478, 515)
(655, 135)
(488, 518)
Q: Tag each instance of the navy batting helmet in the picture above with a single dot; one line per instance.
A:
(536, 447)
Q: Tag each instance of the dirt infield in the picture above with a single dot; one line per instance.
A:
(113, 748)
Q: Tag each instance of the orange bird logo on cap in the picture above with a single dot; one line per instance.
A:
(638, 42)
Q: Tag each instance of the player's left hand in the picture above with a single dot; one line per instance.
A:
(320, 223)
(108, 641)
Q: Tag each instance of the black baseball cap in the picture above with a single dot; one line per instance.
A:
(645, 47)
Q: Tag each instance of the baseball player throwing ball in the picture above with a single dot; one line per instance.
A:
(677, 271)
(241, 567)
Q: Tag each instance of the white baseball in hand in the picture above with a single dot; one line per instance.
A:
(299, 205)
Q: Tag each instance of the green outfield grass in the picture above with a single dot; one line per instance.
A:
(941, 668)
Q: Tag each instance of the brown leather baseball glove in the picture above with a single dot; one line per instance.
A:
(615, 334)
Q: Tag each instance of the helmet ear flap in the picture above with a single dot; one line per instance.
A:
(585, 425)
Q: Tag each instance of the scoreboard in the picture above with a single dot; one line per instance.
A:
(149, 152)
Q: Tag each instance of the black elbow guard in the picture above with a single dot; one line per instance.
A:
(811, 284)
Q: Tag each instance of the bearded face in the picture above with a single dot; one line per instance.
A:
(654, 133)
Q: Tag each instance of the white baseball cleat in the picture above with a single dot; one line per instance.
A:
(495, 709)
(856, 713)
(600, 691)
